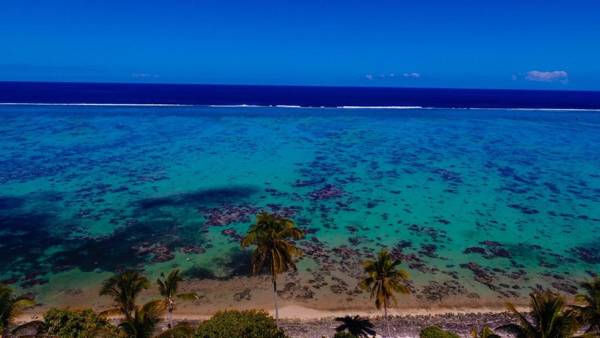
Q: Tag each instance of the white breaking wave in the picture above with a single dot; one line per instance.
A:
(380, 107)
(287, 106)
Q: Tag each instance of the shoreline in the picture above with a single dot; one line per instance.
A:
(303, 322)
(304, 313)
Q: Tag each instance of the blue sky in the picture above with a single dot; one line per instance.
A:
(475, 44)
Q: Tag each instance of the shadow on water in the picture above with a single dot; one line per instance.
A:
(10, 202)
(121, 249)
(26, 236)
(201, 197)
(235, 263)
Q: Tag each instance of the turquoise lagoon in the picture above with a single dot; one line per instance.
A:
(478, 203)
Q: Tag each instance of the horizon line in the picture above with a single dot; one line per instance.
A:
(300, 86)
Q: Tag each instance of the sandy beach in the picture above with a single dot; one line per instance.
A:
(302, 318)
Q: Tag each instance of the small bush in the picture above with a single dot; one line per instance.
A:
(344, 335)
(436, 332)
(240, 324)
(82, 323)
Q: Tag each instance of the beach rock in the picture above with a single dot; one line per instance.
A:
(243, 295)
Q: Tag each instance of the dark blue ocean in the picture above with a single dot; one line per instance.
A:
(105, 93)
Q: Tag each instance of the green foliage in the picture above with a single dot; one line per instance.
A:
(124, 290)
(240, 324)
(181, 330)
(485, 332)
(436, 332)
(344, 334)
(11, 306)
(142, 323)
(168, 286)
(271, 235)
(384, 278)
(588, 308)
(355, 326)
(549, 318)
(77, 323)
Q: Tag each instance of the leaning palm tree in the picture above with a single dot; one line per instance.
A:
(142, 322)
(485, 332)
(11, 306)
(124, 290)
(383, 279)
(588, 309)
(356, 326)
(549, 318)
(167, 286)
(272, 235)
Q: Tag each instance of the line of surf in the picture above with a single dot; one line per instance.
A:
(91, 104)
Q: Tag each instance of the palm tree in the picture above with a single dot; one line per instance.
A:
(383, 279)
(271, 235)
(356, 326)
(142, 323)
(124, 290)
(167, 285)
(589, 310)
(549, 318)
(11, 307)
(486, 332)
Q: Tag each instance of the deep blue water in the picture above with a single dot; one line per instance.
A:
(39, 92)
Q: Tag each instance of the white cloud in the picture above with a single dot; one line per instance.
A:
(369, 76)
(412, 75)
(548, 76)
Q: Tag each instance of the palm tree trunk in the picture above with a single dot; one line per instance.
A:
(170, 318)
(385, 318)
(275, 298)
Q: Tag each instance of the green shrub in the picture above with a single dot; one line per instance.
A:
(436, 332)
(77, 323)
(344, 335)
(240, 324)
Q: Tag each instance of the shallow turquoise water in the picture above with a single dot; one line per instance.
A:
(492, 202)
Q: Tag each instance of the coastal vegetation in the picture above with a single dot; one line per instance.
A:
(549, 317)
(271, 235)
(77, 323)
(274, 251)
(485, 332)
(436, 332)
(356, 326)
(11, 306)
(167, 286)
(588, 308)
(124, 289)
(383, 279)
(240, 324)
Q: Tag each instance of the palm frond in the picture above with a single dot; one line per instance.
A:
(383, 279)
(189, 296)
